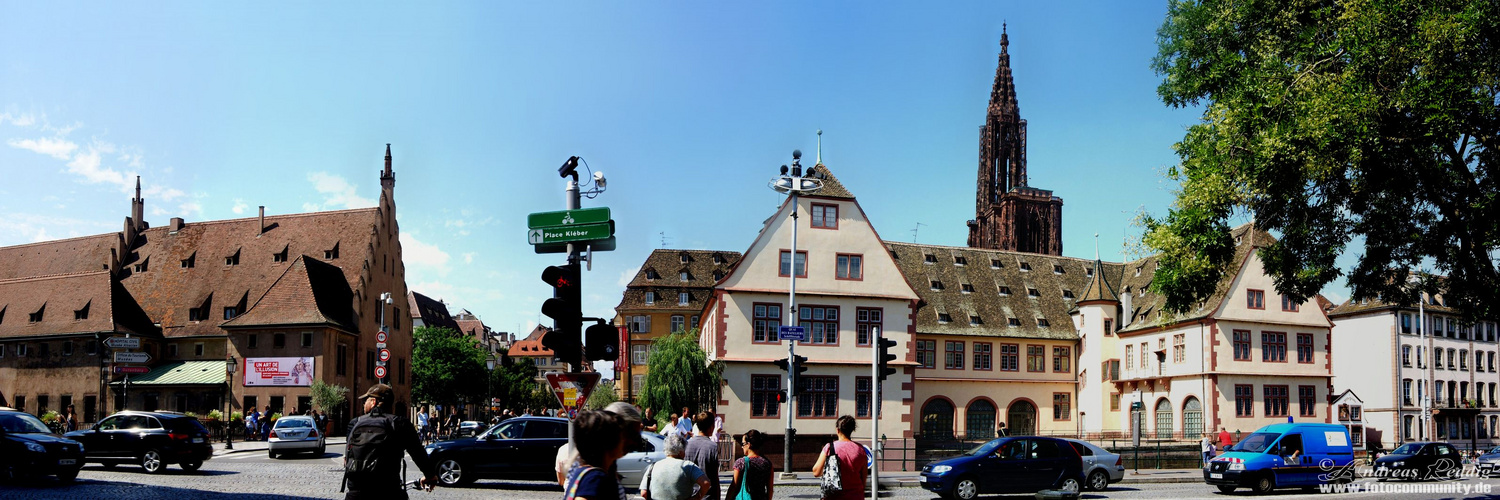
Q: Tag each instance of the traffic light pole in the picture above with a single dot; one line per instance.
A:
(791, 352)
(875, 382)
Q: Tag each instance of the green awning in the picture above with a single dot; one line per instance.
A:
(182, 373)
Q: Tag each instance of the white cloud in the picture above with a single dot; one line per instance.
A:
(157, 192)
(90, 167)
(423, 256)
(337, 193)
(190, 208)
(627, 275)
(59, 148)
(469, 257)
(17, 228)
(239, 206)
(19, 120)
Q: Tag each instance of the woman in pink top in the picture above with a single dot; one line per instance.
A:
(852, 462)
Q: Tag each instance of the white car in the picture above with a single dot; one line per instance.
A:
(632, 466)
(295, 434)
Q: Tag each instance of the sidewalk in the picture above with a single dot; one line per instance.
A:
(908, 479)
(260, 446)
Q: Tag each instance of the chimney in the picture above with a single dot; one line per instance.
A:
(174, 225)
(262, 220)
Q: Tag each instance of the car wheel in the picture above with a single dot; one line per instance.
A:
(322, 449)
(966, 489)
(1226, 488)
(152, 462)
(1098, 481)
(451, 473)
(1069, 485)
(191, 465)
(1264, 485)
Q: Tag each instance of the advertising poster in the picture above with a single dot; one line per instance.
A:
(284, 372)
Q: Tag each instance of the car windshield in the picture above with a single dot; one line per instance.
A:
(1408, 449)
(292, 422)
(983, 449)
(20, 423)
(1257, 442)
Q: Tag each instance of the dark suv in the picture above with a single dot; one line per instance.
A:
(28, 447)
(518, 448)
(150, 438)
(1007, 465)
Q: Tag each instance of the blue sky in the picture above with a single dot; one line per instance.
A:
(688, 107)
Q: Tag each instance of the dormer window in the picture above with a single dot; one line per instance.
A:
(1068, 294)
(683, 298)
(995, 264)
(189, 262)
(1042, 322)
(143, 265)
(1140, 293)
(1004, 291)
(650, 298)
(929, 258)
(1057, 269)
(683, 276)
(683, 258)
(233, 260)
(718, 275)
(1088, 271)
(1013, 321)
(231, 312)
(652, 275)
(1032, 292)
(82, 314)
(944, 318)
(966, 288)
(282, 255)
(975, 320)
(937, 285)
(332, 253)
(36, 317)
(718, 259)
(959, 260)
(1025, 266)
(1138, 270)
(196, 314)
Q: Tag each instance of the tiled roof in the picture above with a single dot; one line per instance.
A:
(432, 312)
(472, 327)
(310, 292)
(832, 188)
(182, 373)
(964, 282)
(167, 289)
(1099, 287)
(1432, 304)
(531, 346)
(62, 299)
(1146, 308)
(668, 266)
(70, 256)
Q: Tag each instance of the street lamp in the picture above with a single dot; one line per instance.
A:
(229, 365)
(489, 382)
(792, 185)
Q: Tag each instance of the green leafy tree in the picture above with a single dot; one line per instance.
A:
(328, 396)
(1327, 121)
(513, 382)
(680, 375)
(445, 366)
(602, 396)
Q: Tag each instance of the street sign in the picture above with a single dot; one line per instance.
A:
(385, 355)
(785, 332)
(567, 217)
(572, 389)
(604, 245)
(379, 372)
(564, 234)
(380, 345)
(132, 369)
(380, 337)
(122, 343)
(132, 357)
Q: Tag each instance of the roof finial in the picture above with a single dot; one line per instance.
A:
(1004, 40)
(820, 147)
(1096, 247)
(137, 186)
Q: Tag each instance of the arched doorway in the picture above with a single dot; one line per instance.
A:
(1192, 418)
(1020, 419)
(1163, 419)
(937, 419)
(980, 420)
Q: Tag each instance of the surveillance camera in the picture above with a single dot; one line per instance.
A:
(599, 179)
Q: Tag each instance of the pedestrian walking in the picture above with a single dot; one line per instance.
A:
(1000, 430)
(674, 478)
(705, 452)
(422, 424)
(267, 420)
(373, 464)
(252, 424)
(70, 419)
(685, 423)
(754, 475)
(600, 443)
(1207, 445)
(850, 457)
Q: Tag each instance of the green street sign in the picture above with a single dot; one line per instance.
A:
(564, 234)
(568, 218)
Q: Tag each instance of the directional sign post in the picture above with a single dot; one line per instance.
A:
(798, 333)
(572, 389)
(567, 217)
(564, 234)
(550, 232)
(122, 343)
(132, 369)
(132, 357)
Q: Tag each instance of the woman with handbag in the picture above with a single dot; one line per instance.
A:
(754, 477)
(842, 465)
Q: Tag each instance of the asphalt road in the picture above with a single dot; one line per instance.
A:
(254, 475)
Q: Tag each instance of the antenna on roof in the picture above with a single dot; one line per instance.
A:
(914, 232)
(663, 235)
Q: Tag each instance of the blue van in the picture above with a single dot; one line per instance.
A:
(1287, 455)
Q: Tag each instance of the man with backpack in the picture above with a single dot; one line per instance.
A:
(373, 465)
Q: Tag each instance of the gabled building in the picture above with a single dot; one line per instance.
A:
(667, 295)
(427, 311)
(531, 348)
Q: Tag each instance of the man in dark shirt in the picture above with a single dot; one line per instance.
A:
(385, 482)
(704, 452)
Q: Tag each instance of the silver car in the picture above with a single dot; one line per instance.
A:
(293, 434)
(633, 465)
(1100, 467)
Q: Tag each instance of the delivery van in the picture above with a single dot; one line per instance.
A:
(1290, 455)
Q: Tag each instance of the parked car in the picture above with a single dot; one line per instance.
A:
(29, 448)
(153, 439)
(519, 448)
(633, 465)
(1100, 466)
(1488, 462)
(1420, 461)
(1007, 465)
(296, 433)
(1286, 455)
(467, 428)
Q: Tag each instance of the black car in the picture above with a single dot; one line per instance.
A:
(519, 448)
(1420, 461)
(29, 448)
(1007, 465)
(153, 439)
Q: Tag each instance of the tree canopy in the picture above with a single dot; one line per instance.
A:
(1329, 120)
(680, 375)
(445, 365)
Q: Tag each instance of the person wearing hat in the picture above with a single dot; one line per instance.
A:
(377, 439)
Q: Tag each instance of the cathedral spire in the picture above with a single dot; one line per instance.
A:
(387, 177)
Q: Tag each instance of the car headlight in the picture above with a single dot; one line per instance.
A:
(431, 449)
(1397, 464)
(36, 447)
(1237, 466)
(939, 469)
(80, 448)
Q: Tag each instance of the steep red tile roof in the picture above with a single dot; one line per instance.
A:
(432, 312)
(531, 346)
(310, 292)
(62, 299)
(73, 255)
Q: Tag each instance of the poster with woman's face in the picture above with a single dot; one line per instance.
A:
(279, 372)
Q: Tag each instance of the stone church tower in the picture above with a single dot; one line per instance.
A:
(1008, 214)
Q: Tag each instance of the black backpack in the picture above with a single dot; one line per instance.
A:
(368, 456)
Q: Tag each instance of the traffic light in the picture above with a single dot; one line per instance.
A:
(886, 357)
(565, 309)
(799, 364)
(602, 342)
(780, 396)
